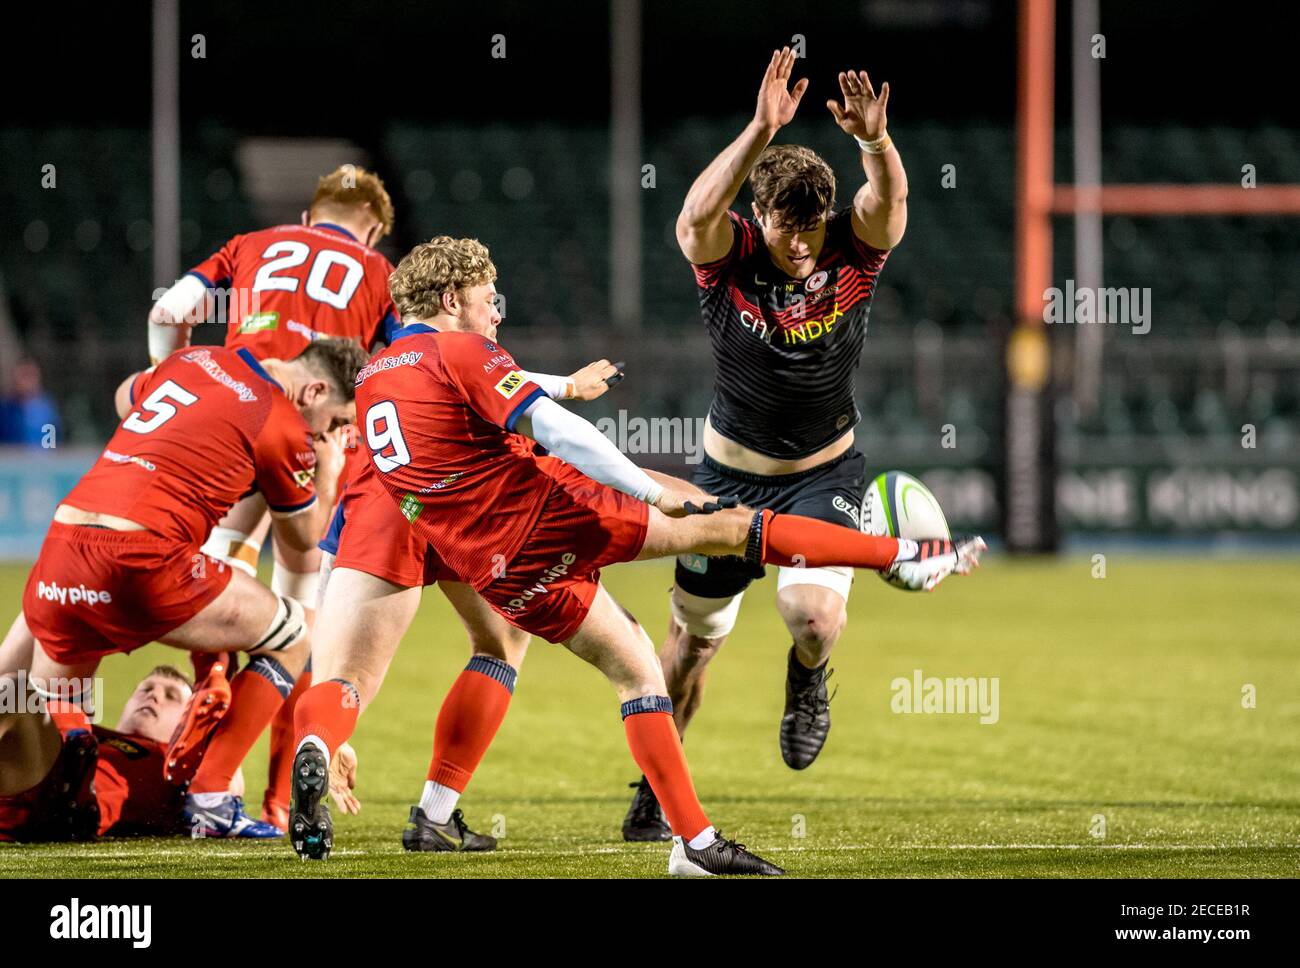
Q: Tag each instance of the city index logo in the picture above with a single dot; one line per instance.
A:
(54, 592)
(813, 329)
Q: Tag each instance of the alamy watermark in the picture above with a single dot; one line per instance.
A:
(21, 694)
(1087, 304)
(655, 435)
(970, 695)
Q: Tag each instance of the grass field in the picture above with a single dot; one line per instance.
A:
(1119, 697)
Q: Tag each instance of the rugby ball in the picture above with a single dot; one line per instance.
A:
(900, 506)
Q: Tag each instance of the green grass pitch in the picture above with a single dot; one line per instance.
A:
(1119, 697)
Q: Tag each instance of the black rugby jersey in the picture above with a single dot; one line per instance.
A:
(784, 350)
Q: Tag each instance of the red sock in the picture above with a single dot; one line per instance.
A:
(657, 749)
(469, 719)
(283, 747)
(256, 693)
(794, 540)
(329, 710)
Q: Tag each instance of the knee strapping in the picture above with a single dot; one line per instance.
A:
(301, 586)
(288, 626)
(706, 618)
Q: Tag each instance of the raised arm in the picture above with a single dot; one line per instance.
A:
(703, 231)
(880, 206)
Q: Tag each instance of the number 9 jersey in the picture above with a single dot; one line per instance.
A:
(286, 286)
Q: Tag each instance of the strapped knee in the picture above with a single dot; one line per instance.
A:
(288, 626)
(705, 618)
(301, 586)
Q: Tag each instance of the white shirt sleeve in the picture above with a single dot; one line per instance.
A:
(575, 441)
(556, 387)
(186, 302)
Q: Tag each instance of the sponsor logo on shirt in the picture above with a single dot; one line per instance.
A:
(410, 506)
(54, 592)
(448, 480)
(509, 386)
(131, 750)
(813, 329)
(303, 476)
(496, 361)
(539, 587)
(259, 323)
(213, 369)
(117, 458)
(302, 329)
(817, 280)
(387, 363)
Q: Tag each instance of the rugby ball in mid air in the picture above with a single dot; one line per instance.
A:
(900, 506)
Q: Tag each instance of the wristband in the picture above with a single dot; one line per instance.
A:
(877, 147)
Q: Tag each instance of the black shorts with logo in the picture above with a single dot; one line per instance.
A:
(830, 492)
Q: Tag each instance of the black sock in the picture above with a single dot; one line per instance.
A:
(801, 673)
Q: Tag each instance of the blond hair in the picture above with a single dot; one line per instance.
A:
(348, 188)
(442, 264)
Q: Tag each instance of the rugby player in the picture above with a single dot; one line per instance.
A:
(441, 413)
(784, 295)
(122, 563)
(44, 793)
(285, 286)
(372, 577)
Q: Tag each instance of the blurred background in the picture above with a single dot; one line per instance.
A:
(566, 138)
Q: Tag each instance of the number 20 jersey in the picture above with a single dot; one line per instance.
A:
(291, 284)
(207, 427)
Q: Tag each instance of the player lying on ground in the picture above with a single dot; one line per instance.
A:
(439, 413)
(372, 577)
(121, 565)
(66, 779)
(785, 296)
(283, 287)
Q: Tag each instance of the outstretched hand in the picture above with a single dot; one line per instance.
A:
(776, 104)
(863, 113)
(595, 378)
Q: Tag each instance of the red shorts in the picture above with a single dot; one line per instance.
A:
(94, 591)
(548, 586)
(374, 537)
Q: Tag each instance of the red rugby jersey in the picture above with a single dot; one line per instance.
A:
(209, 426)
(291, 284)
(437, 411)
(131, 787)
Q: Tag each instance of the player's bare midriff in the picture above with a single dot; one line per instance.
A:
(67, 514)
(733, 454)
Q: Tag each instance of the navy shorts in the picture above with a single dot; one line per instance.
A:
(830, 492)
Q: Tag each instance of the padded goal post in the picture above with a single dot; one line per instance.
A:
(1029, 456)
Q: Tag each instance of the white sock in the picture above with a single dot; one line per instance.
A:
(438, 801)
(209, 800)
(703, 838)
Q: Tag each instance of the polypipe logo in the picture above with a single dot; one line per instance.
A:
(79, 595)
(539, 587)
